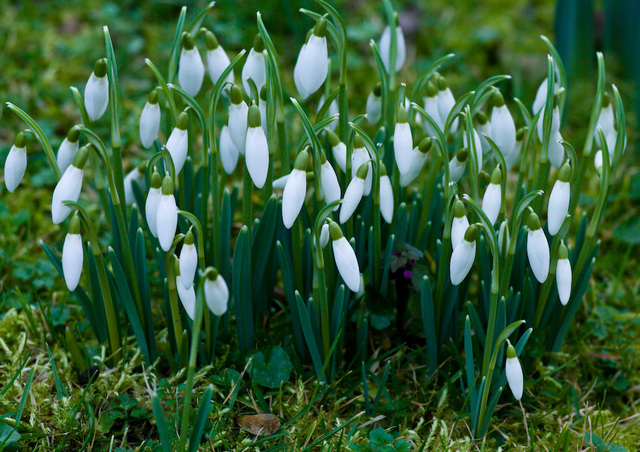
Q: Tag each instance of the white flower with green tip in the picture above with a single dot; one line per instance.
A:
(96, 91)
(563, 275)
(354, 192)
(256, 149)
(295, 190)
(329, 182)
(513, 370)
(459, 224)
(446, 101)
(229, 153)
(68, 149)
(254, 68)
(338, 150)
(402, 141)
(559, 200)
(16, 163)
(69, 186)
(151, 205)
(150, 120)
(463, 256)
(432, 109)
(312, 65)
(72, 255)
(167, 215)
(458, 164)
(216, 292)
(345, 258)
(178, 142)
(217, 59)
(492, 198)
(416, 160)
(385, 47)
(190, 66)
(374, 105)
(503, 129)
(386, 195)
(238, 113)
(537, 249)
(188, 260)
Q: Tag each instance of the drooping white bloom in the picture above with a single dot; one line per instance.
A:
(463, 256)
(228, 151)
(556, 150)
(137, 175)
(69, 187)
(16, 163)
(458, 164)
(166, 215)
(190, 66)
(559, 200)
(513, 370)
(503, 129)
(385, 47)
(492, 198)
(217, 59)
(324, 235)
(360, 155)
(402, 141)
(512, 158)
(563, 275)
(150, 120)
(386, 195)
(483, 126)
(329, 182)
(374, 105)
(606, 120)
(345, 258)
(262, 106)
(503, 237)
(446, 101)
(541, 94)
(354, 192)
(151, 205)
(238, 112)
(416, 160)
(312, 65)
(68, 149)
(478, 147)
(295, 190)
(280, 182)
(187, 297)
(178, 142)
(338, 150)
(555, 123)
(96, 91)
(256, 149)
(459, 225)
(188, 261)
(432, 109)
(537, 249)
(72, 255)
(254, 68)
(216, 292)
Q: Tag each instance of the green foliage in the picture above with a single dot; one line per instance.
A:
(271, 371)
(381, 441)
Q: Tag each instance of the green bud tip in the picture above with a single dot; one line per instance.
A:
(153, 97)
(156, 180)
(211, 274)
(442, 83)
(320, 28)
(471, 233)
(481, 118)
(335, 231)
(432, 90)
(511, 352)
(254, 116)
(556, 100)
(302, 160)
(211, 41)
(363, 170)
(308, 35)
(383, 169)
(425, 145)
(100, 68)
(485, 178)
(533, 222)
(323, 157)
(462, 155)
(188, 42)
(188, 238)
(401, 116)
(142, 167)
(377, 90)
(496, 176)
(263, 93)
(334, 140)
(565, 173)
(496, 99)
(458, 209)
(357, 142)
(21, 140)
(176, 265)
(81, 157)
(73, 135)
(521, 133)
(183, 121)
(396, 19)
(167, 185)
(258, 46)
(74, 224)
(236, 95)
(605, 100)
(563, 252)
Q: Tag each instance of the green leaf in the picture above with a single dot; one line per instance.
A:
(273, 370)
(9, 436)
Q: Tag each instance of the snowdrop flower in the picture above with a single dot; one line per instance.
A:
(166, 215)
(96, 91)
(228, 151)
(150, 120)
(324, 235)
(416, 159)
(563, 274)
(559, 200)
(238, 112)
(216, 292)
(512, 158)
(386, 195)
(432, 109)
(136, 174)
(606, 120)
(338, 150)
(254, 68)
(503, 129)
(492, 198)
(463, 256)
(503, 237)
(187, 295)
(178, 142)
(69, 186)
(478, 146)
(446, 101)
(513, 370)
(312, 65)
(217, 59)
(360, 155)
(262, 106)
(256, 148)
(329, 181)
(354, 192)
(541, 94)
(151, 205)
(374, 105)
(537, 249)
(68, 149)
(295, 190)
(190, 66)
(345, 258)
(458, 164)
(459, 225)
(16, 163)
(188, 260)
(280, 182)
(402, 141)
(332, 111)
(385, 47)
(72, 255)
(483, 126)
(556, 150)
(555, 121)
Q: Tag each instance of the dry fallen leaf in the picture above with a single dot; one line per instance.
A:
(259, 424)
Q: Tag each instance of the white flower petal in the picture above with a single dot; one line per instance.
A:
(257, 155)
(491, 202)
(385, 47)
(386, 199)
(216, 295)
(352, 197)
(563, 280)
(254, 69)
(311, 68)
(347, 263)
(339, 152)
(558, 206)
(358, 157)
(217, 62)
(177, 145)
(228, 151)
(478, 146)
(151, 209)
(503, 129)
(514, 377)
(458, 228)
(166, 221)
(415, 161)
(133, 175)
(14, 167)
(149, 124)
(402, 146)
(72, 258)
(431, 107)
(238, 124)
(293, 197)
(461, 261)
(446, 101)
(190, 71)
(329, 184)
(538, 253)
(66, 153)
(188, 264)
(373, 108)
(187, 297)
(68, 189)
(96, 96)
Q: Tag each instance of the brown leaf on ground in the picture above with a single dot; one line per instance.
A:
(259, 424)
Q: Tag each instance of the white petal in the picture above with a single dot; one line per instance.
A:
(216, 295)
(187, 297)
(149, 124)
(563, 280)
(352, 197)
(538, 253)
(478, 146)
(373, 108)
(556, 150)
(347, 263)
(329, 184)
(503, 129)
(358, 157)
(491, 202)
(503, 236)
(238, 124)
(555, 123)
(166, 221)
(177, 145)
(324, 235)
(66, 153)
(458, 228)
(133, 175)
(14, 167)
(151, 209)
(558, 206)
(311, 68)
(386, 199)
(96, 96)
(68, 189)
(461, 261)
(512, 158)
(446, 101)
(72, 258)
(456, 169)
(293, 197)
(402, 146)
(431, 107)
(339, 152)
(416, 161)
(190, 71)
(280, 182)
(254, 69)
(228, 151)
(514, 377)
(385, 47)
(485, 129)
(257, 155)
(541, 96)
(188, 264)
(217, 62)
